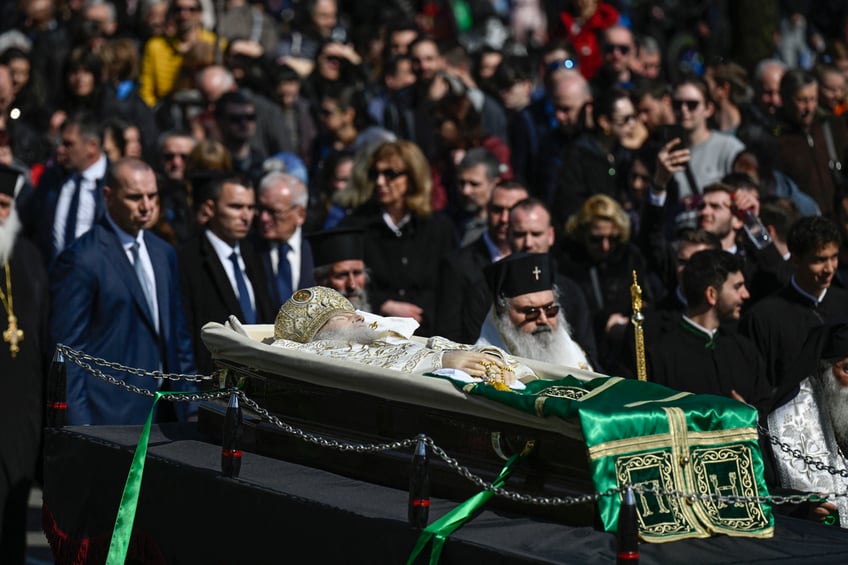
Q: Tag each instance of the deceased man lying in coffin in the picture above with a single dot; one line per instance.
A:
(319, 320)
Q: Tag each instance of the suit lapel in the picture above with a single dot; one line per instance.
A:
(307, 265)
(114, 251)
(159, 260)
(218, 275)
(263, 250)
(265, 309)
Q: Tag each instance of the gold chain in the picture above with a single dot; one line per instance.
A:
(13, 334)
(8, 304)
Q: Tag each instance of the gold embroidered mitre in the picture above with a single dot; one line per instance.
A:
(306, 312)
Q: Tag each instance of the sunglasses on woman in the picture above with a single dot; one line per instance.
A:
(389, 174)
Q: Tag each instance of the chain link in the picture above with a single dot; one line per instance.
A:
(85, 361)
(808, 460)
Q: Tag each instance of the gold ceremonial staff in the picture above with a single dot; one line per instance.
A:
(638, 331)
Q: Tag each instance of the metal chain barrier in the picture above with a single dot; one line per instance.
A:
(808, 460)
(86, 361)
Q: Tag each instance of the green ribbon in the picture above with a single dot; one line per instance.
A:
(439, 530)
(122, 532)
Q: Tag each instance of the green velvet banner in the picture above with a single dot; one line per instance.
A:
(656, 438)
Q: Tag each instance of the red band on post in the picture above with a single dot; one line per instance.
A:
(231, 453)
(628, 556)
(58, 406)
(421, 502)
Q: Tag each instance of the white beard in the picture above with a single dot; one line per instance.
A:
(836, 400)
(9, 230)
(549, 345)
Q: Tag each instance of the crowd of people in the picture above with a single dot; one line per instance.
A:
(166, 163)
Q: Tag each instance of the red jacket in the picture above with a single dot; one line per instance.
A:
(586, 38)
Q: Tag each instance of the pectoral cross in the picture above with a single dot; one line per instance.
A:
(536, 271)
(13, 335)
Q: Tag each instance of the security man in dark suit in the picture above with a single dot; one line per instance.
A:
(220, 272)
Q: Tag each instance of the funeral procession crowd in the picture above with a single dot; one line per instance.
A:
(495, 171)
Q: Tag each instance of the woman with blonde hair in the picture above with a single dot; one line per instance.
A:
(404, 239)
(598, 255)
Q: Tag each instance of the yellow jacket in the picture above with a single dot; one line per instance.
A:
(161, 63)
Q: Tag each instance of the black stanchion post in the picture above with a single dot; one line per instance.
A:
(628, 530)
(56, 396)
(419, 486)
(231, 454)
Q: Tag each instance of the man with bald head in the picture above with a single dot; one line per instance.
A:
(571, 98)
(215, 80)
(118, 286)
(286, 254)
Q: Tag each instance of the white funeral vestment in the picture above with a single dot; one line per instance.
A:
(804, 424)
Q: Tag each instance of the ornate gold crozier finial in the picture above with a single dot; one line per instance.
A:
(638, 331)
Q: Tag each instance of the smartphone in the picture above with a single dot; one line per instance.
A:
(675, 131)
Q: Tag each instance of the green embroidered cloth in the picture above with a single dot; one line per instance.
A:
(653, 437)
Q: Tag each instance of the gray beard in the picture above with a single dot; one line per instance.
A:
(9, 230)
(363, 335)
(544, 344)
(836, 400)
(359, 299)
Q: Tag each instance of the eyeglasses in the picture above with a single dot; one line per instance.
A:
(534, 312)
(172, 156)
(567, 63)
(610, 47)
(691, 105)
(389, 174)
(241, 118)
(599, 239)
(279, 214)
(624, 120)
(179, 8)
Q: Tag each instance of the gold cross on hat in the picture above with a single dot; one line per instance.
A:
(536, 271)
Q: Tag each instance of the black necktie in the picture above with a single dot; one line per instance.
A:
(73, 210)
(284, 272)
(244, 296)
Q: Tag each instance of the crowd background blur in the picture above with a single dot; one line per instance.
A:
(620, 117)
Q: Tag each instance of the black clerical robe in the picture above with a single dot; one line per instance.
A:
(688, 359)
(23, 384)
(779, 324)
